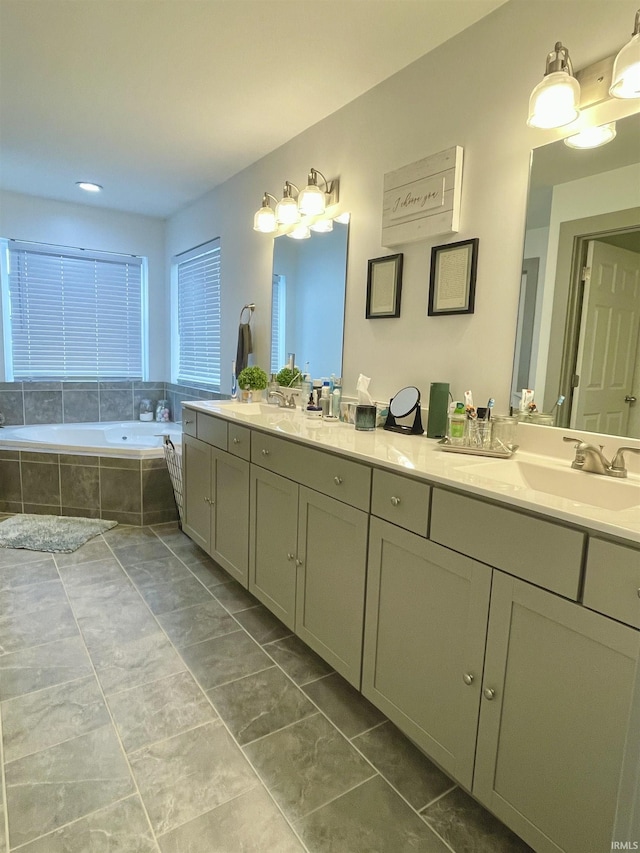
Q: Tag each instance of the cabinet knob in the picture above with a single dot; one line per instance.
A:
(489, 693)
(236, 441)
(188, 421)
(291, 556)
(467, 678)
(206, 500)
(265, 452)
(639, 592)
(394, 500)
(337, 480)
(298, 562)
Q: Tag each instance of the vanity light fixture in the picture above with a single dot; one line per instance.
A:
(625, 79)
(554, 101)
(89, 187)
(287, 212)
(265, 219)
(322, 226)
(300, 232)
(313, 201)
(592, 137)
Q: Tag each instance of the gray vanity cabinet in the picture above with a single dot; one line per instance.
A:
(426, 622)
(556, 701)
(307, 564)
(216, 504)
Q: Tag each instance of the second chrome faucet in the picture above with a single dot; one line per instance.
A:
(591, 459)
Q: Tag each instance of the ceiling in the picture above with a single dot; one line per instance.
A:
(162, 100)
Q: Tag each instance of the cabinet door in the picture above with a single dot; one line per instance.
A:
(196, 465)
(272, 542)
(557, 695)
(331, 561)
(425, 630)
(230, 531)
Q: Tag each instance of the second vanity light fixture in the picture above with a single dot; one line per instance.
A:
(555, 101)
(297, 204)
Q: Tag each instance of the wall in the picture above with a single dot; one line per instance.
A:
(473, 91)
(43, 220)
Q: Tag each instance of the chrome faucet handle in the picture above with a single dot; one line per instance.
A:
(580, 444)
(618, 468)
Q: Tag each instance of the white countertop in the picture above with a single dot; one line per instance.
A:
(423, 458)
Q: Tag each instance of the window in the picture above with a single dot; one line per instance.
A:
(73, 313)
(197, 290)
(278, 320)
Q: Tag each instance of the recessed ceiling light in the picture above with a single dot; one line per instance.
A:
(89, 187)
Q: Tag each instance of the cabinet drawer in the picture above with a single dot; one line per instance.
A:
(340, 478)
(189, 422)
(239, 441)
(542, 552)
(612, 581)
(212, 430)
(401, 501)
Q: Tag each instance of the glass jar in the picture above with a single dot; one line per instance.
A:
(162, 411)
(365, 417)
(503, 437)
(146, 410)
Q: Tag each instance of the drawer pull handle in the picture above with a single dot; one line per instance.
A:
(236, 441)
(291, 556)
(188, 422)
(489, 693)
(298, 562)
(467, 678)
(337, 481)
(265, 452)
(395, 501)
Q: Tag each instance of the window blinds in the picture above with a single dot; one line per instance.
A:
(74, 314)
(278, 319)
(198, 279)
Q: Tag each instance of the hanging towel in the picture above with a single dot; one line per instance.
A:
(245, 346)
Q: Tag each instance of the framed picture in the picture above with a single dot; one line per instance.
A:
(384, 283)
(452, 285)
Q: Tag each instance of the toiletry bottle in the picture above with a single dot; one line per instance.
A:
(457, 421)
(336, 398)
(325, 399)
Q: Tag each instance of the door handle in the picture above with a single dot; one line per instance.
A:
(630, 399)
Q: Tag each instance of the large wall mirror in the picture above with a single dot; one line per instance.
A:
(308, 299)
(579, 317)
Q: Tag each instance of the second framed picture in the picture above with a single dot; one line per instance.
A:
(384, 286)
(452, 287)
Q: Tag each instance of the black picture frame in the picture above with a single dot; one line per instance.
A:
(384, 287)
(452, 279)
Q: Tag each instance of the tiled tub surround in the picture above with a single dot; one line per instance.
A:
(131, 491)
(149, 704)
(84, 402)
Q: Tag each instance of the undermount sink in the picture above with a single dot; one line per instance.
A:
(585, 488)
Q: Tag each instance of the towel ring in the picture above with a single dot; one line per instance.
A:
(250, 307)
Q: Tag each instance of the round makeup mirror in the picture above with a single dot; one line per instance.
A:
(406, 401)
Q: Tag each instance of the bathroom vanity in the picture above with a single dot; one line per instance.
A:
(497, 625)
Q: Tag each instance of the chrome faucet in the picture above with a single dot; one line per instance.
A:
(591, 459)
(284, 402)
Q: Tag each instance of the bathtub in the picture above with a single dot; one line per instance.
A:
(127, 439)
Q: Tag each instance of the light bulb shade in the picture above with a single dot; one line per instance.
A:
(554, 101)
(287, 212)
(322, 226)
(312, 201)
(625, 78)
(301, 232)
(592, 137)
(265, 220)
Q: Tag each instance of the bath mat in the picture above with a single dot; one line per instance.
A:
(56, 533)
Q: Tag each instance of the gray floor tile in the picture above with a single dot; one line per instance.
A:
(18, 557)
(345, 707)
(371, 817)
(159, 710)
(469, 828)
(259, 704)
(141, 551)
(100, 600)
(224, 659)
(306, 765)
(165, 597)
(126, 665)
(34, 629)
(298, 660)
(403, 765)
(65, 782)
(94, 549)
(204, 568)
(32, 598)
(251, 823)
(262, 624)
(43, 666)
(120, 828)
(39, 720)
(187, 775)
(24, 574)
(77, 576)
(234, 597)
(164, 570)
(198, 623)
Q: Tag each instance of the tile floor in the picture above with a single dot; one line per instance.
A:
(149, 703)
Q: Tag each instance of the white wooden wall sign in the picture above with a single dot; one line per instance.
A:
(422, 200)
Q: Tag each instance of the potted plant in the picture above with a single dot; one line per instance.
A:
(251, 379)
(289, 378)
